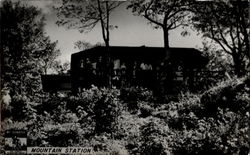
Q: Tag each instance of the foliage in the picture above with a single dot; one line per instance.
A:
(22, 108)
(84, 45)
(129, 130)
(60, 68)
(104, 143)
(153, 140)
(218, 68)
(215, 122)
(167, 15)
(227, 24)
(189, 126)
(206, 124)
(106, 111)
(84, 16)
(27, 51)
(75, 118)
(231, 94)
(134, 95)
(50, 54)
(126, 121)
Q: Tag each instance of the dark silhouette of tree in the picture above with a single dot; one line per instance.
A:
(164, 14)
(26, 50)
(85, 15)
(167, 15)
(84, 45)
(50, 55)
(227, 24)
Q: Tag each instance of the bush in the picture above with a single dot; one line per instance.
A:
(21, 108)
(129, 130)
(92, 112)
(154, 138)
(232, 94)
(211, 125)
(215, 122)
(134, 95)
(107, 110)
(145, 108)
(105, 143)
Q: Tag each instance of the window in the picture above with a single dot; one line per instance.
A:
(81, 64)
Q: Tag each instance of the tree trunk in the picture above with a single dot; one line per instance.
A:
(166, 42)
(238, 70)
(166, 78)
(108, 65)
(109, 73)
(105, 34)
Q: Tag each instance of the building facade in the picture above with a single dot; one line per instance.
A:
(134, 66)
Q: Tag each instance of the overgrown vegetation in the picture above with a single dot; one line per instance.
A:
(215, 122)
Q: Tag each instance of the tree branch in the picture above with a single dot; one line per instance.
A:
(223, 38)
(178, 25)
(232, 37)
(107, 23)
(174, 22)
(153, 21)
(146, 15)
(101, 19)
(217, 40)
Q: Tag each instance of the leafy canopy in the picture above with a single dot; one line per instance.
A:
(227, 24)
(83, 15)
(27, 50)
(168, 14)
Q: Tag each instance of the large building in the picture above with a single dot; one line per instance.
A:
(133, 66)
(129, 66)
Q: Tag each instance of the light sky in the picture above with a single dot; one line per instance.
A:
(132, 31)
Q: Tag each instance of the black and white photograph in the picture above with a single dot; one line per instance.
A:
(15, 142)
(121, 77)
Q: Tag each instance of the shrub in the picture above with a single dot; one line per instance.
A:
(105, 143)
(107, 110)
(129, 130)
(154, 138)
(232, 94)
(134, 95)
(215, 122)
(21, 108)
(211, 125)
(91, 112)
(66, 134)
(146, 108)
(201, 124)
